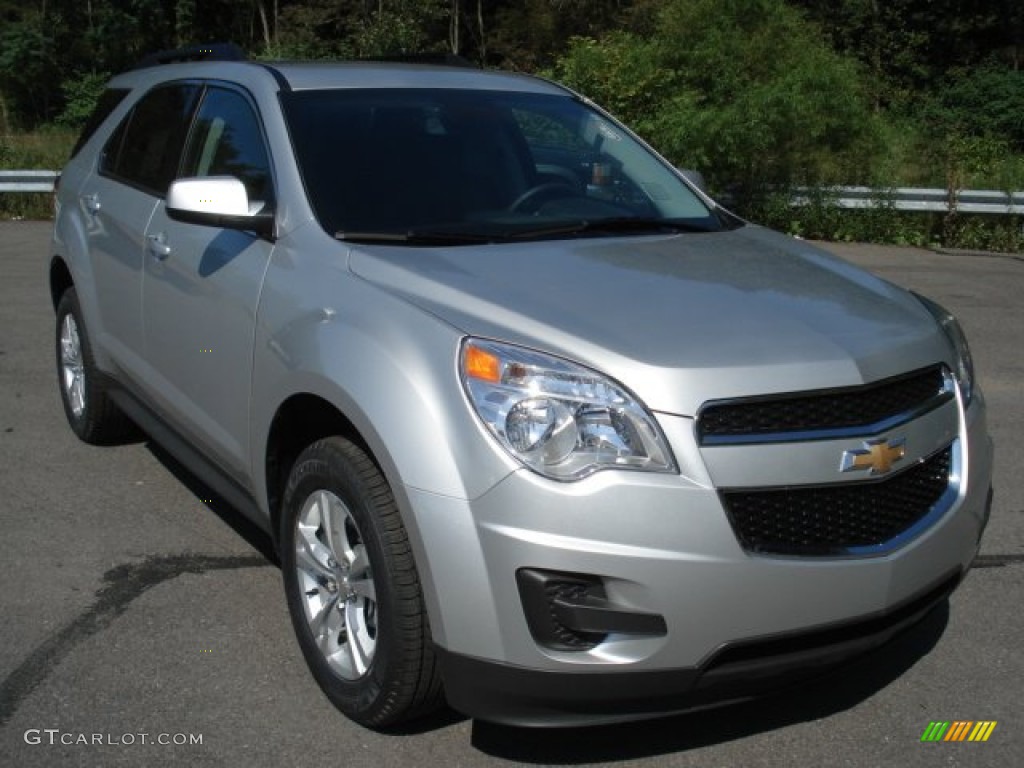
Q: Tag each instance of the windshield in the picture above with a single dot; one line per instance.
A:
(475, 166)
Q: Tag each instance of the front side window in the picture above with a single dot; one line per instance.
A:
(226, 141)
(146, 148)
(479, 165)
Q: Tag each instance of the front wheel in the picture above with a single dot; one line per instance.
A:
(352, 588)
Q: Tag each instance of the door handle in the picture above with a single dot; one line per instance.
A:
(157, 245)
(91, 203)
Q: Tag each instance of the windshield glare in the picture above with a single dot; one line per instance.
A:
(477, 163)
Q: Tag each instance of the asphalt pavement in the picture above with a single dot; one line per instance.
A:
(142, 622)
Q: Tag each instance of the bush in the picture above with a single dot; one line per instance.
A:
(821, 218)
(81, 93)
(987, 101)
(751, 96)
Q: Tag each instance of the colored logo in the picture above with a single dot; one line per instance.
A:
(959, 730)
(876, 456)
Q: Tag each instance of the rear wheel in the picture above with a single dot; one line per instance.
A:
(91, 413)
(353, 592)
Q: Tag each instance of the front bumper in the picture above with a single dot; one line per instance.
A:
(735, 624)
(534, 698)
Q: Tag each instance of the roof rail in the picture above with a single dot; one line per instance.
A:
(430, 57)
(207, 52)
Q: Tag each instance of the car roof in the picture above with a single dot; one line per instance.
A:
(366, 74)
(316, 75)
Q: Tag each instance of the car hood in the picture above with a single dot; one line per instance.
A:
(678, 319)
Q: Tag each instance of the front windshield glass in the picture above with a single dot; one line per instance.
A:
(471, 166)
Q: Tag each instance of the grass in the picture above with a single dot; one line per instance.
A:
(46, 150)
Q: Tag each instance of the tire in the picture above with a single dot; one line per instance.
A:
(352, 589)
(84, 392)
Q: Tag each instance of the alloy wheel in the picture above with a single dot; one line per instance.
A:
(338, 593)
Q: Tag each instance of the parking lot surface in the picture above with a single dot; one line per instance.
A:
(144, 623)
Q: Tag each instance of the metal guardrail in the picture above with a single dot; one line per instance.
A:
(898, 198)
(27, 181)
(918, 199)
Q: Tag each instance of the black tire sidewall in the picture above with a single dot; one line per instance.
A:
(80, 425)
(323, 467)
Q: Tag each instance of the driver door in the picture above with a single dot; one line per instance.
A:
(201, 287)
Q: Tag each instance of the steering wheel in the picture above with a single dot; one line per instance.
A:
(541, 189)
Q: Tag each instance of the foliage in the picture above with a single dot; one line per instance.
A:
(986, 101)
(80, 96)
(402, 28)
(43, 150)
(750, 96)
(46, 149)
(33, 206)
(821, 218)
(530, 34)
(624, 74)
(907, 47)
(758, 94)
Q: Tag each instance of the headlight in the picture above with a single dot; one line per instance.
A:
(560, 419)
(964, 370)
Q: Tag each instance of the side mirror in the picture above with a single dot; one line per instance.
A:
(218, 201)
(696, 178)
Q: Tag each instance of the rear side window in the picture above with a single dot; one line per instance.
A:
(108, 103)
(145, 149)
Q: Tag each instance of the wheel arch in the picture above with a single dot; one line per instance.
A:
(299, 421)
(302, 419)
(60, 280)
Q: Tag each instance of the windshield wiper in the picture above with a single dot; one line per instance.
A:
(624, 224)
(414, 237)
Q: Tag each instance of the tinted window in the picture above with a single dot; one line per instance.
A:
(146, 147)
(475, 163)
(107, 103)
(226, 141)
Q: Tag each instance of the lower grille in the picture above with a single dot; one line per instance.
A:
(835, 519)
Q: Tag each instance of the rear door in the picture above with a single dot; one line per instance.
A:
(135, 167)
(202, 284)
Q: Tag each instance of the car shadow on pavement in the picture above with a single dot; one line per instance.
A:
(255, 536)
(820, 698)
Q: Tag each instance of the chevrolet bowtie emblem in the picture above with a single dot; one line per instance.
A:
(877, 456)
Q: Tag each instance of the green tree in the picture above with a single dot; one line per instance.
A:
(530, 34)
(985, 101)
(744, 90)
(910, 46)
(29, 68)
(80, 96)
(402, 27)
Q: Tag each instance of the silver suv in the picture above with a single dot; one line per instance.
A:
(534, 424)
